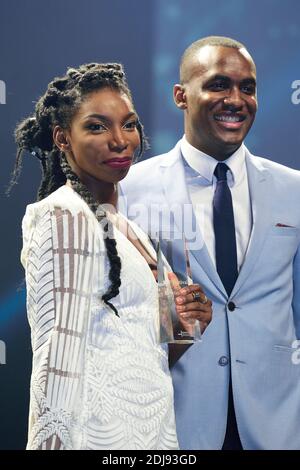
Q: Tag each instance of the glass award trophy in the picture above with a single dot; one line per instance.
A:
(174, 329)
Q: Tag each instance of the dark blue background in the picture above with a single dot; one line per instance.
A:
(39, 39)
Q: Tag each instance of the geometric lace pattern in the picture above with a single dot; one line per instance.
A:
(98, 381)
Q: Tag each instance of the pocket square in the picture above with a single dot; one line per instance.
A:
(284, 225)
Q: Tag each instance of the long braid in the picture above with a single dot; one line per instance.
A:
(35, 134)
(110, 242)
(54, 177)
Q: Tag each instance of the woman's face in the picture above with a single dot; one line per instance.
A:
(103, 137)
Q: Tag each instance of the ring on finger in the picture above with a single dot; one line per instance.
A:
(204, 301)
(197, 298)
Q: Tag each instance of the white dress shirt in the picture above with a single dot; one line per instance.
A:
(201, 183)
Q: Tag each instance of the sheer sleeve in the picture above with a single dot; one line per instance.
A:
(58, 255)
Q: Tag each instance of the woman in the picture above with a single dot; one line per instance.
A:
(99, 378)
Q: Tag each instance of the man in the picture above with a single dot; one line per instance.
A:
(238, 388)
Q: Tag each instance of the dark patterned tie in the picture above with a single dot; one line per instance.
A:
(225, 242)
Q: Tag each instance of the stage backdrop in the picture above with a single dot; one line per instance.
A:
(39, 39)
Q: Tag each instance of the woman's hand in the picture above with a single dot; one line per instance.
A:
(191, 304)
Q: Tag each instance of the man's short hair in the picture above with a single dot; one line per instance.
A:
(207, 41)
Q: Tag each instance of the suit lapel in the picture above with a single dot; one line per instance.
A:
(177, 196)
(176, 193)
(260, 198)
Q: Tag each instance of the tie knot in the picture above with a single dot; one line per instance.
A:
(220, 172)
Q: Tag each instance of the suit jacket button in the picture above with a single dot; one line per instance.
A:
(231, 306)
(223, 361)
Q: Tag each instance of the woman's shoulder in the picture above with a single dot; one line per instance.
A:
(64, 198)
(63, 208)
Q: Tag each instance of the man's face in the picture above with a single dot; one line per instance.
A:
(219, 99)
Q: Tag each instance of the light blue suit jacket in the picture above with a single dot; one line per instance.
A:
(258, 335)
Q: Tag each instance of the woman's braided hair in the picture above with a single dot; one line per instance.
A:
(57, 106)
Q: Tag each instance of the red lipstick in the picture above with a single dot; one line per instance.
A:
(123, 162)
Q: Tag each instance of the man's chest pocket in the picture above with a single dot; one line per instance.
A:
(284, 232)
(281, 245)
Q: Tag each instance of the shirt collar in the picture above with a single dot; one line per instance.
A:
(205, 165)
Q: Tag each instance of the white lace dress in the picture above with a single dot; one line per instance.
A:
(98, 381)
